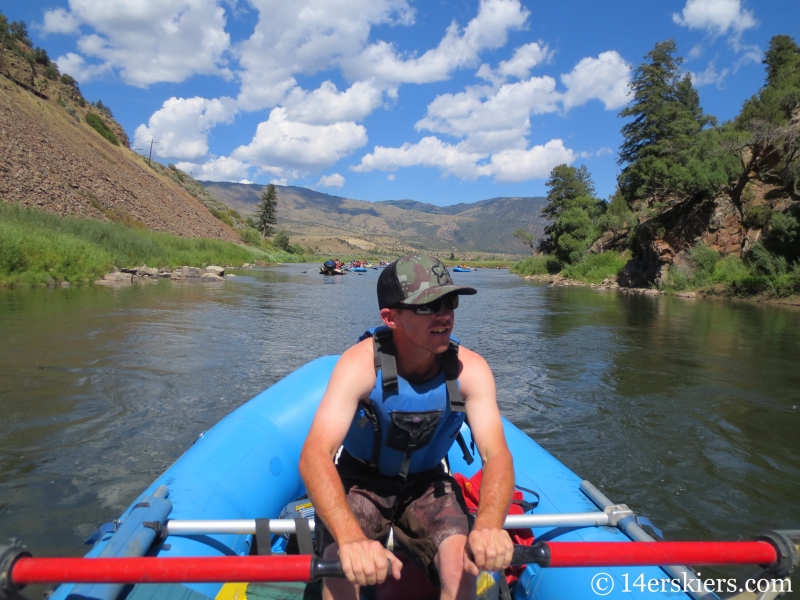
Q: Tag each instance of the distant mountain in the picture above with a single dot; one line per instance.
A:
(487, 226)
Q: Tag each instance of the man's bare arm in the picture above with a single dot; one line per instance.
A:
(490, 545)
(364, 562)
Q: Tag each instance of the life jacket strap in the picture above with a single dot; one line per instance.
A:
(450, 368)
(384, 357)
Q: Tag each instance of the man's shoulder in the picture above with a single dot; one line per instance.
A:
(359, 353)
(467, 356)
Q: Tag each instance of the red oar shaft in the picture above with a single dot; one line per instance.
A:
(162, 570)
(305, 568)
(621, 554)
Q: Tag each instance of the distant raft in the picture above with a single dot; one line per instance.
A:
(329, 268)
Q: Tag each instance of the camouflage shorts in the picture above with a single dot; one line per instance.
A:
(425, 509)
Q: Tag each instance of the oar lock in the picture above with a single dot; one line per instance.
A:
(787, 546)
(8, 556)
(616, 513)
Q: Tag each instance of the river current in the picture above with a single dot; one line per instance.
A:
(686, 410)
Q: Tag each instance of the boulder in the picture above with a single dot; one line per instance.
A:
(177, 274)
(193, 272)
(118, 277)
(147, 272)
(215, 270)
(211, 277)
(164, 274)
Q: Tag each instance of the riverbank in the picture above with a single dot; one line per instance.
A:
(709, 275)
(39, 248)
(557, 280)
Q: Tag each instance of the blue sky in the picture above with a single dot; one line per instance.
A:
(436, 101)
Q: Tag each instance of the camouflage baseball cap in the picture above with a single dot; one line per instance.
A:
(416, 279)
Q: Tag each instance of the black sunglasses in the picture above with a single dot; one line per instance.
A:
(450, 302)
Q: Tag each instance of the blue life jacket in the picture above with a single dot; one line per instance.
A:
(407, 428)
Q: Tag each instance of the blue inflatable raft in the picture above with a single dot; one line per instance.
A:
(461, 269)
(245, 467)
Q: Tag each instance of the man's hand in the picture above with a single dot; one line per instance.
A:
(367, 563)
(487, 550)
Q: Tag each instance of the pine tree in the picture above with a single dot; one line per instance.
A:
(574, 213)
(664, 152)
(267, 214)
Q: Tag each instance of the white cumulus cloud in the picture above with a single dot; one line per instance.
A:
(605, 78)
(516, 164)
(147, 41)
(535, 163)
(74, 65)
(59, 20)
(284, 147)
(718, 17)
(217, 169)
(710, 75)
(305, 37)
(327, 105)
(458, 49)
(181, 126)
(519, 65)
(330, 181)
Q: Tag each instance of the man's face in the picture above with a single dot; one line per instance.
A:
(430, 333)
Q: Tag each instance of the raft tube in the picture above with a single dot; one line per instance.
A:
(245, 467)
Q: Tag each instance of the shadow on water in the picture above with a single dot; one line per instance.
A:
(686, 410)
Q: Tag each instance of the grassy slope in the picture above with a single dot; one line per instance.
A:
(38, 247)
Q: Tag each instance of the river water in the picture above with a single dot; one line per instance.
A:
(688, 411)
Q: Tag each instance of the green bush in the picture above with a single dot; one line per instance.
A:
(281, 241)
(222, 216)
(250, 236)
(50, 71)
(100, 127)
(69, 80)
(595, 268)
(536, 265)
(704, 259)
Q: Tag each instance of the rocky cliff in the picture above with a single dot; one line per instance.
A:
(730, 222)
(52, 159)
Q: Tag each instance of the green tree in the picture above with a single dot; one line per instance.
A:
(761, 136)
(663, 151)
(574, 213)
(565, 184)
(103, 108)
(781, 95)
(266, 215)
(526, 238)
(40, 56)
(618, 215)
(19, 30)
(281, 241)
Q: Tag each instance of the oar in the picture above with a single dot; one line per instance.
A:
(776, 551)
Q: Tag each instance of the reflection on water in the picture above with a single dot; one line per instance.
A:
(686, 410)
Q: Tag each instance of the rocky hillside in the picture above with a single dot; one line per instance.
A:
(396, 225)
(51, 158)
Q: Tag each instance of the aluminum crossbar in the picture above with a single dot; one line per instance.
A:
(281, 526)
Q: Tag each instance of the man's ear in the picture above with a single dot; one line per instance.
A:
(387, 316)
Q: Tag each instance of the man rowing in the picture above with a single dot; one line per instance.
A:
(395, 402)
